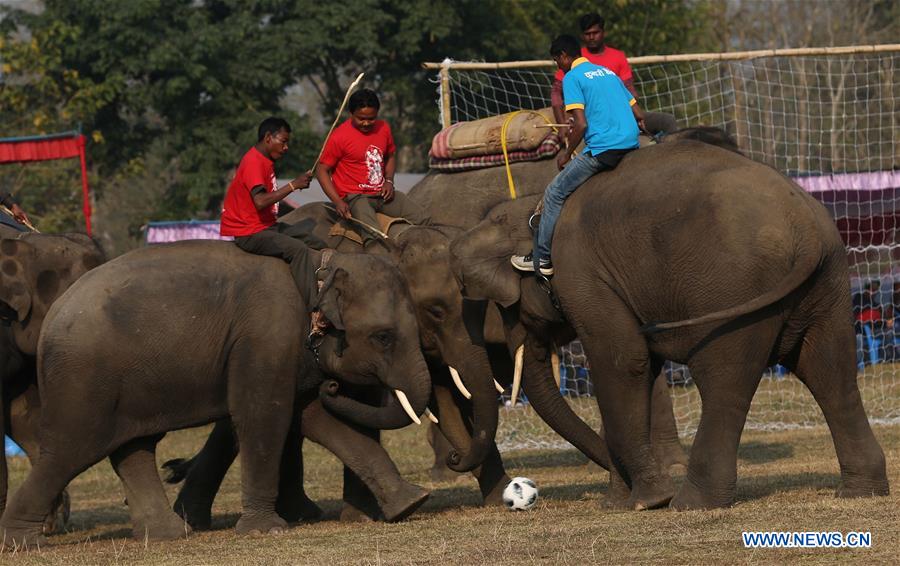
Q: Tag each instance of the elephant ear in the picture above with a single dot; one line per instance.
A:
(15, 290)
(328, 301)
(480, 261)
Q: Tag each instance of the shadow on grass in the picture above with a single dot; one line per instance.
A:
(766, 485)
(755, 452)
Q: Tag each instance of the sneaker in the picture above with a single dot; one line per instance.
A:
(526, 263)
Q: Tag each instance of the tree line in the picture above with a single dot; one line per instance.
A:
(169, 92)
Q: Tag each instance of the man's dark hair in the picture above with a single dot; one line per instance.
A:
(565, 44)
(589, 20)
(363, 98)
(272, 125)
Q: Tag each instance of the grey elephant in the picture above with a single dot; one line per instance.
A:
(35, 269)
(463, 200)
(184, 334)
(422, 256)
(693, 253)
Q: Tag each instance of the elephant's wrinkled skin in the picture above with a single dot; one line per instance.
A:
(463, 200)
(35, 269)
(679, 231)
(184, 334)
(422, 255)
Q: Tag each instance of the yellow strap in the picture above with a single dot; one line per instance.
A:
(503, 130)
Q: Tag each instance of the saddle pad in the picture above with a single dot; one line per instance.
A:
(351, 231)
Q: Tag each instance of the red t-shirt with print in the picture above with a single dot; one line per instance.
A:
(239, 214)
(611, 58)
(357, 159)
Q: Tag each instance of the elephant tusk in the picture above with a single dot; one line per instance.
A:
(431, 416)
(554, 361)
(517, 374)
(406, 406)
(498, 387)
(459, 384)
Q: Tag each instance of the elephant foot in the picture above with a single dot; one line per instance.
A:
(404, 502)
(652, 495)
(692, 497)
(298, 507)
(671, 457)
(269, 523)
(495, 495)
(618, 495)
(870, 489)
(197, 514)
(57, 520)
(443, 474)
(170, 527)
(350, 514)
(27, 538)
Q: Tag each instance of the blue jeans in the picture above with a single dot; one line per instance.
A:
(564, 184)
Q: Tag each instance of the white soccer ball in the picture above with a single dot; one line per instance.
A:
(520, 494)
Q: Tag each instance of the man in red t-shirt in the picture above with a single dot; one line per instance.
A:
(250, 205)
(598, 53)
(358, 164)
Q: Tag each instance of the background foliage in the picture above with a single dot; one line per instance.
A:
(169, 92)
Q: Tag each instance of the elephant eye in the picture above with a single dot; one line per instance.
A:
(383, 338)
(436, 313)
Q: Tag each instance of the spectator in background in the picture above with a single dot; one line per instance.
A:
(596, 51)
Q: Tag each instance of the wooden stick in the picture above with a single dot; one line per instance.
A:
(726, 56)
(336, 119)
(551, 125)
(27, 223)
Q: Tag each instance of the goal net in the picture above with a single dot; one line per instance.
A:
(829, 118)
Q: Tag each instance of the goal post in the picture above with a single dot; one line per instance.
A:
(828, 117)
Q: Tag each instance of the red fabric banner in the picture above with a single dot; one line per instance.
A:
(39, 150)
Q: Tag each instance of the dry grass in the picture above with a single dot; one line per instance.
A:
(786, 480)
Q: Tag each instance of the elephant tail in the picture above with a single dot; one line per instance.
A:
(177, 470)
(802, 270)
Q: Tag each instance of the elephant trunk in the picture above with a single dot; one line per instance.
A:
(477, 376)
(392, 414)
(543, 394)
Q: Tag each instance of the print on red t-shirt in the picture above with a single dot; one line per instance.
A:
(357, 159)
(239, 214)
(611, 58)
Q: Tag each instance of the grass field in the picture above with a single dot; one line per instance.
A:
(786, 480)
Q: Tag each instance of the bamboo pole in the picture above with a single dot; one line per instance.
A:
(445, 95)
(648, 59)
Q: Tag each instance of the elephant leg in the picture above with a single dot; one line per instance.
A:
(366, 458)
(207, 470)
(23, 520)
(663, 430)
(360, 504)
(456, 426)
(727, 373)
(827, 366)
(151, 516)
(623, 381)
(441, 448)
(261, 402)
(293, 504)
(25, 416)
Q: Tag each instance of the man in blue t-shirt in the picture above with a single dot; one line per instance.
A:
(606, 116)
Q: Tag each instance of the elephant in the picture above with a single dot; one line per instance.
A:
(693, 253)
(35, 269)
(422, 256)
(463, 200)
(120, 364)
